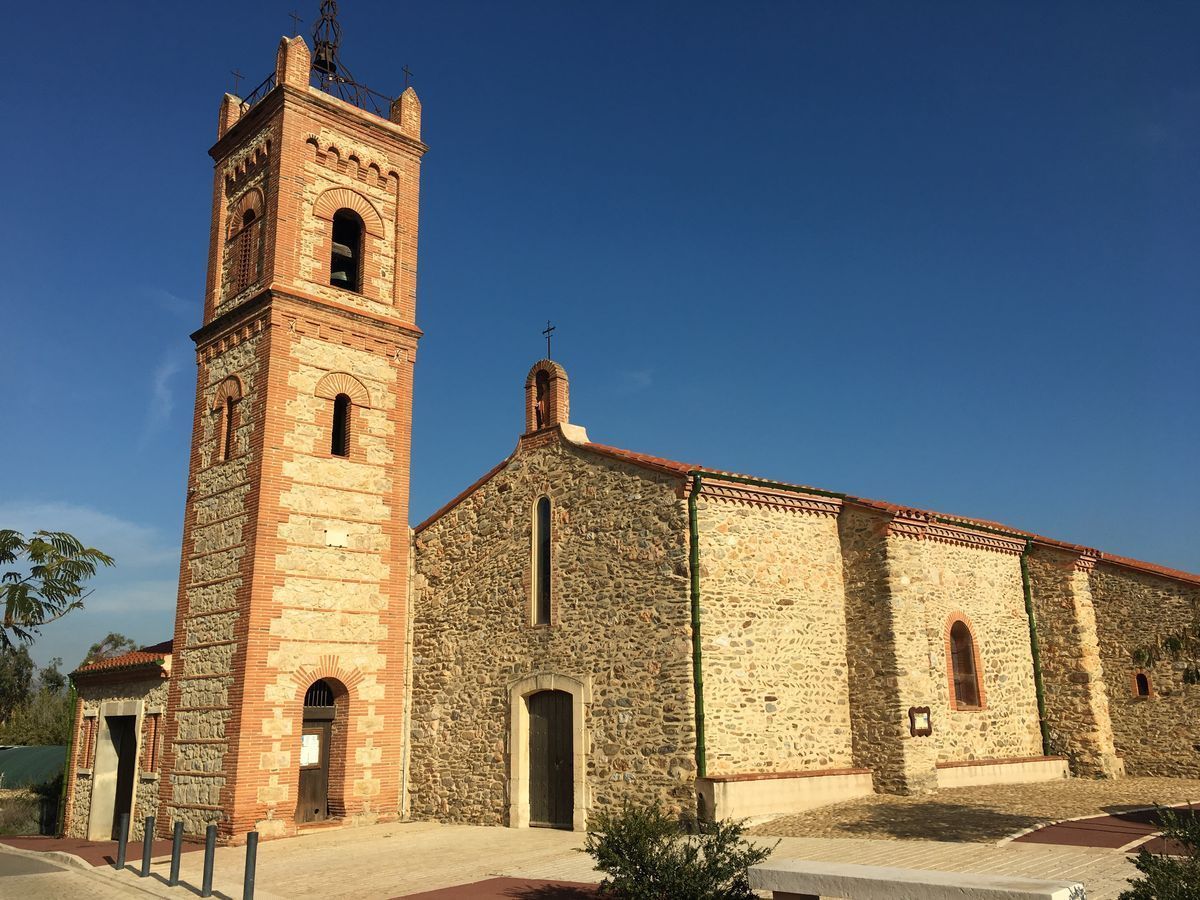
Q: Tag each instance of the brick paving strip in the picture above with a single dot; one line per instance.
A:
(95, 853)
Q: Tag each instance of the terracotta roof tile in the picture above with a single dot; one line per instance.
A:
(147, 656)
(682, 469)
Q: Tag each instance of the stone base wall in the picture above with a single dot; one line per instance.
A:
(773, 625)
(1158, 734)
(620, 626)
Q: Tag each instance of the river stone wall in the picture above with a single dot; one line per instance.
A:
(984, 586)
(620, 621)
(881, 741)
(151, 693)
(1159, 734)
(773, 625)
(1077, 713)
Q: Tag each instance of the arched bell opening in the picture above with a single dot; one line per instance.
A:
(345, 262)
(321, 794)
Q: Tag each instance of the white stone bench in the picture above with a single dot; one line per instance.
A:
(804, 879)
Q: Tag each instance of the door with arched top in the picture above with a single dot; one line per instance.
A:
(312, 794)
(551, 760)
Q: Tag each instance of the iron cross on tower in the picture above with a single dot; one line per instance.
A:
(549, 331)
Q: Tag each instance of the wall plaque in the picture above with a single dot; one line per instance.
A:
(920, 721)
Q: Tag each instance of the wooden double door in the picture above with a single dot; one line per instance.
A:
(551, 760)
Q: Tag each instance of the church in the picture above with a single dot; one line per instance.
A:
(583, 625)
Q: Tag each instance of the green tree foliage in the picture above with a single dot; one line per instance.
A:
(46, 582)
(114, 644)
(51, 677)
(1170, 877)
(648, 855)
(16, 676)
(44, 715)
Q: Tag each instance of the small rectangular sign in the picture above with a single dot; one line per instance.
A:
(310, 749)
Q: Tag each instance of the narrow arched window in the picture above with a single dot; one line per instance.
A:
(1141, 684)
(345, 263)
(541, 555)
(542, 387)
(962, 666)
(340, 433)
(229, 427)
(244, 244)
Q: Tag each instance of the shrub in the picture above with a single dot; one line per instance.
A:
(648, 855)
(1170, 877)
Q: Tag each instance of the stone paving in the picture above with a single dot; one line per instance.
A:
(384, 861)
(980, 814)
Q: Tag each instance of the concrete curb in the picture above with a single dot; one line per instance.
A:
(62, 856)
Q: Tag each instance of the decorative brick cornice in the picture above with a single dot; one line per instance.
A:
(920, 525)
(768, 498)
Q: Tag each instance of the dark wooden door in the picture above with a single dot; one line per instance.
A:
(123, 731)
(312, 797)
(551, 760)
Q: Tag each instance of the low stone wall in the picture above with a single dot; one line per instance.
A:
(1002, 771)
(779, 793)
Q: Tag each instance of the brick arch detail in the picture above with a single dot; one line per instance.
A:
(230, 387)
(344, 198)
(953, 619)
(328, 668)
(335, 383)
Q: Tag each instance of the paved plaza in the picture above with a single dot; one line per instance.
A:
(384, 861)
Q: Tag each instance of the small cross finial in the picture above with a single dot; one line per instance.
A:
(237, 78)
(407, 74)
(548, 332)
(295, 17)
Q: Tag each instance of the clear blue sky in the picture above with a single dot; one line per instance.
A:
(941, 254)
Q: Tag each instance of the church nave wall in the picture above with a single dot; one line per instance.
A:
(773, 624)
(935, 580)
(620, 625)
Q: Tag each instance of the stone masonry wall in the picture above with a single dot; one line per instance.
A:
(621, 621)
(217, 540)
(881, 741)
(933, 580)
(1159, 734)
(1077, 713)
(93, 694)
(774, 639)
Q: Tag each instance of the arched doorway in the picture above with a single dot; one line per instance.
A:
(551, 760)
(316, 751)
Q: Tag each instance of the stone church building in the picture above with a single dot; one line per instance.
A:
(582, 625)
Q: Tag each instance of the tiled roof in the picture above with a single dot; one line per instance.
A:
(147, 656)
(683, 470)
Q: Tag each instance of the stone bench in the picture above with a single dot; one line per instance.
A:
(804, 879)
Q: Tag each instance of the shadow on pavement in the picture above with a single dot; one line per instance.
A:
(938, 822)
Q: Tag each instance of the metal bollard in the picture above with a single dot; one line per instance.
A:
(210, 848)
(147, 846)
(122, 839)
(251, 859)
(176, 850)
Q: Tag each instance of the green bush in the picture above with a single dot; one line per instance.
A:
(1170, 877)
(648, 855)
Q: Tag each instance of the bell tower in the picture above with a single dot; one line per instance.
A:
(287, 704)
